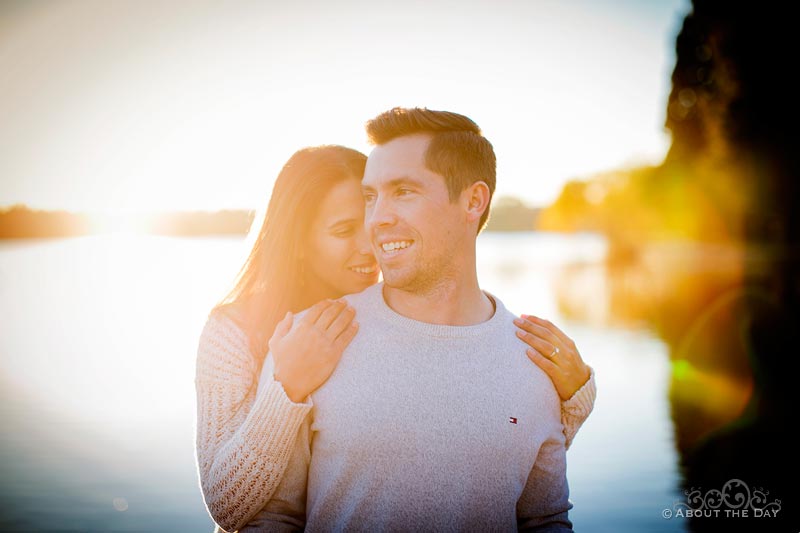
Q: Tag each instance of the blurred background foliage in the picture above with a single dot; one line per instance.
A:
(704, 247)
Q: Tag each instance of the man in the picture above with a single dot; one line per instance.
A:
(434, 418)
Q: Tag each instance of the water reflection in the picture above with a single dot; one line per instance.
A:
(96, 380)
(728, 339)
(97, 394)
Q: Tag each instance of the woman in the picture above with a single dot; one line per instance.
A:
(310, 250)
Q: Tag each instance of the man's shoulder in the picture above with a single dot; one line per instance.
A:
(366, 298)
(502, 315)
(358, 300)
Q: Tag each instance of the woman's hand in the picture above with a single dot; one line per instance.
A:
(306, 356)
(555, 353)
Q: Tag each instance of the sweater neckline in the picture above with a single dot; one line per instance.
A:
(416, 327)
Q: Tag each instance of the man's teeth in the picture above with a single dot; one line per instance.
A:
(391, 246)
(365, 270)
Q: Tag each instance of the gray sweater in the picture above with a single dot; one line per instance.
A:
(426, 427)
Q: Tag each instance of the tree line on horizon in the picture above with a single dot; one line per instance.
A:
(21, 222)
(730, 173)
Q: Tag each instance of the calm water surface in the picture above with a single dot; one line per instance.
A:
(97, 380)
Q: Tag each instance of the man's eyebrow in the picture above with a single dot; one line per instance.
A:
(404, 180)
(395, 182)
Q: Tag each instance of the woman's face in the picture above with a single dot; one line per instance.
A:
(338, 259)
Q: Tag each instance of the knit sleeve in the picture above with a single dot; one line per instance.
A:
(243, 438)
(575, 411)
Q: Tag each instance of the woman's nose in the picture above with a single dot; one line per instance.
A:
(363, 242)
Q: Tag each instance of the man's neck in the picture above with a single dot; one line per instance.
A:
(449, 303)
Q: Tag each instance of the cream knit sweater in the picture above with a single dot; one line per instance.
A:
(244, 441)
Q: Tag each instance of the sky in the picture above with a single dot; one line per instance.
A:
(144, 106)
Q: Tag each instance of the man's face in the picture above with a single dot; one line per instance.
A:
(417, 234)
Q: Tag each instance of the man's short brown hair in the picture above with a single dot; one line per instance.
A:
(457, 150)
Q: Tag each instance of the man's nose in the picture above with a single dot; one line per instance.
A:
(380, 214)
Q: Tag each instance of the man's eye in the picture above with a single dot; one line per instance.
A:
(344, 233)
(369, 197)
(402, 191)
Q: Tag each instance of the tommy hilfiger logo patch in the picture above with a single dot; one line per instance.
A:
(512, 419)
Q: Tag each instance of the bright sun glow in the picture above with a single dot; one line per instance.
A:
(177, 106)
(119, 222)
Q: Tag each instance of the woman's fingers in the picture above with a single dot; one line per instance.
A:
(284, 326)
(315, 311)
(542, 346)
(329, 315)
(566, 368)
(537, 330)
(550, 327)
(563, 380)
(281, 330)
(543, 362)
(347, 335)
(341, 322)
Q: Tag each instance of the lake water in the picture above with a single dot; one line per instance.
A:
(97, 358)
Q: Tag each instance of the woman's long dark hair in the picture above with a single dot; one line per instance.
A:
(270, 282)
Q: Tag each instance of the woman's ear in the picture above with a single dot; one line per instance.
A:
(476, 200)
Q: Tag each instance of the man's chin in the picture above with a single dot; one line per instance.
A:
(394, 279)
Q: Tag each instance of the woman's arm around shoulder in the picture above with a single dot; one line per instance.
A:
(576, 410)
(556, 353)
(243, 438)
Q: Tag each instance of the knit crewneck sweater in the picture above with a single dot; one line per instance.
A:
(245, 441)
(426, 427)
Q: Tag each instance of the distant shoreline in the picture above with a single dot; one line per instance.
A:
(22, 222)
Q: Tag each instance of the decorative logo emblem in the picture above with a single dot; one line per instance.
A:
(512, 419)
(735, 500)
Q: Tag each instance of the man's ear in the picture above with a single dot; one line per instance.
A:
(476, 200)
